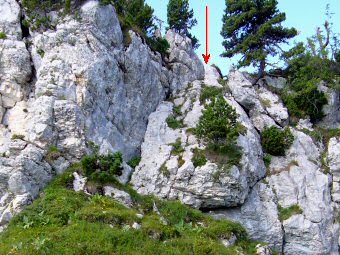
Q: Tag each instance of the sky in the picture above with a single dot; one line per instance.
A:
(304, 15)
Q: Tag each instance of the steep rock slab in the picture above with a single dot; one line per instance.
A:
(88, 87)
(184, 63)
(258, 215)
(166, 175)
(295, 179)
(264, 107)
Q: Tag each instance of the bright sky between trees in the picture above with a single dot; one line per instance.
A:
(304, 15)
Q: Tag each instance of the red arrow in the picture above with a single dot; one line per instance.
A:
(206, 56)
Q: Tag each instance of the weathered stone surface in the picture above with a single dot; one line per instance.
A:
(207, 186)
(10, 19)
(87, 87)
(119, 195)
(332, 108)
(258, 215)
(185, 64)
(212, 76)
(15, 71)
(333, 160)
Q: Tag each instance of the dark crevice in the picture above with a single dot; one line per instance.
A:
(24, 29)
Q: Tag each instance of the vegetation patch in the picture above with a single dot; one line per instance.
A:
(275, 141)
(52, 153)
(177, 148)
(164, 170)
(198, 158)
(102, 168)
(134, 161)
(62, 221)
(3, 35)
(17, 137)
(209, 92)
(286, 213)
(173, 122)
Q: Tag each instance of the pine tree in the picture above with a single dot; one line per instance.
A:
(253, 29)
(181, 19)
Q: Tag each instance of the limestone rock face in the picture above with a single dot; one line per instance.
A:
(185, 64)
(295, 179)
(10, 19)
(265, 108)
(73, 85)
(167, 175)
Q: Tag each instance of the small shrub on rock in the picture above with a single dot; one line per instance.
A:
(3, 35)
(275, 141)
(134, 161)
(198, 158)
(102, 168)
(173, 122)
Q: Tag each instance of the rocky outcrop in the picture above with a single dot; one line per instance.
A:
(264, 107)
(73, 85)
(167, 175)
(184, 63)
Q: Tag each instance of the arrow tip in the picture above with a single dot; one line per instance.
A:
(206, 58)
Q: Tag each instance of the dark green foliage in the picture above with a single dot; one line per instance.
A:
(254, 30)
(177, 148)
(134, 161)
(198, 158)
(173, 122)
(102, 168)
(52, 153)
(267, 159)
(275, 141)
(286, 213)
(218, 124)
(160, 45)
(180, 17)
(208, 92)
(37, 10)
(304, 99)
(3, 35)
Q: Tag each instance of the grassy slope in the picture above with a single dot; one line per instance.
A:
(62, 221)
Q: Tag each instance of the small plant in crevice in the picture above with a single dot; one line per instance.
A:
(52, 153)
(198, 157)
(133, 162)
(209, 92)
(41, 52)
(219, 129)
(17, 137)
(275, 140)
(3, 35)
(177, 148)
(286, 213)
(164, 170)
(173, 122)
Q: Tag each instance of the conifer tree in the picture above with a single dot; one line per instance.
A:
(181, 19)
(253, 29)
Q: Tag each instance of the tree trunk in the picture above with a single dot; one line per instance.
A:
(261, 71)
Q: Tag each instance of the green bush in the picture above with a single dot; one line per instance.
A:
(275, 141)
(304, 99)
(286, 213)
(173, 122)
(208, 92)
(134, 161)
(198, 158)
(102, 168)
(160, 45)
(218, 125)
(177, 148)
(3, 35)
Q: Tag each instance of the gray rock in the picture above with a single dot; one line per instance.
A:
(79, 182)
(119, 195)
(185, 64)
(207, 186)
(10, 19)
